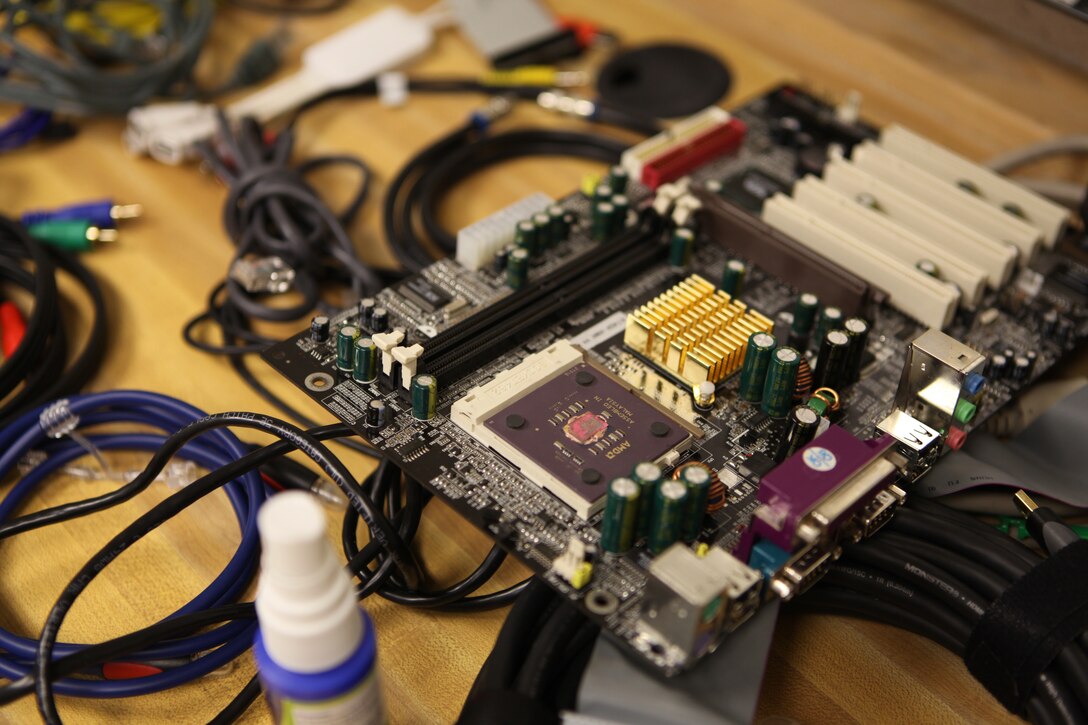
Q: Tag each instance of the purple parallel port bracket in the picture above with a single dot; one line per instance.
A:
(791, 490)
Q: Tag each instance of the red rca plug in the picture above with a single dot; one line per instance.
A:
(12, 328)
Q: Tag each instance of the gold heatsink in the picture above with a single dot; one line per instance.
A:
(694, 330)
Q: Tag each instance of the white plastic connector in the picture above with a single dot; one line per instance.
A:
(996, 258)
(916, 294)
(478, 243)
(1049, 218)
(408, 357)
(386, 341)
(947, 198)
(885, 235)
(377, 43)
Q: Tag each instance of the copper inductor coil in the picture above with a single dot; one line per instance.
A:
(716, 497)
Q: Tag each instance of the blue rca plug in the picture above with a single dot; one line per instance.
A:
(102, 213)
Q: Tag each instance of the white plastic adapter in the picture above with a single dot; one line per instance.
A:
(310, 621)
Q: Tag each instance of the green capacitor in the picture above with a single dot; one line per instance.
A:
(831, 318)
(647, 475)
(424, 396)
(525, 236)
(681, 246)
(804, 314)
(558, 228)
(733, 277)
(617, 179)
(621, 204)
(543, 224)
(517, 269)
(603, 221)
(857, 330)
(620, 521)
(365, 365)
(781, 380)
(757, 357)
(670, 505)
(603, 192)
(345, 347)
(697, 481)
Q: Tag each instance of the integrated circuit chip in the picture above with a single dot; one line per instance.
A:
(569, 425)
(423, 293)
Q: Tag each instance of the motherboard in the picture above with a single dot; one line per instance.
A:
(678, 393)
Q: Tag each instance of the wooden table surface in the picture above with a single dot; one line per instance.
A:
(913, 61)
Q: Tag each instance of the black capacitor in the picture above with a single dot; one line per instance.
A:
(498, 262)
(802, 424)
(857, 330)
(1050, 323)
(1066, 329)
(831, 365)
(319, 328)
(379, 320)
(366, 311)
(1032, 357)
(1009, 353)
(377, 414)
(999, 366)
(786, 130)
(1021, 368)
(810, 160)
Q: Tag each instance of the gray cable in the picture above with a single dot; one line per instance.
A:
(1061, 146)
(80, 75)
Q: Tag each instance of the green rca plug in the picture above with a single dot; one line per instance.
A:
(71, 235)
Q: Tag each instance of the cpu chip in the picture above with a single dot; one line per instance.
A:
(570, 426)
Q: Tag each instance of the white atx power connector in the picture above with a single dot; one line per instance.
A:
(359, 52)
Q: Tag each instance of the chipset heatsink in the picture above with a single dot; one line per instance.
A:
(569, 425)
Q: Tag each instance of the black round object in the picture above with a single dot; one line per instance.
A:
(659, 429)
(663, 81)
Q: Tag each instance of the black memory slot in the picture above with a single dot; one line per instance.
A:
(519, 316)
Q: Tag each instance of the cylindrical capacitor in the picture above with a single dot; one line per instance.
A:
(424, 396)
(1032, 357)
(366, 312)
(647, 475)
(498, 262)
(803, 422)
(603, 192)
(831, 318)
(999, 366)
(733, 277)
(558, 230)
(379, 321)
(620, 521)
(617, 179)
(697, 481)
(670, 505)
(525, 236)
(783, 322)
(703, 395)
(804, 314)
(857, 330)
(781, 379)
(753, 374)
(517, 269)
(543, 224)
(377, 414)
(365, 367)
(1050, 323)
(619, 220)
(345, 347)
(319, 328)
(832, 361)
(785, 130)
(681, 246)
(603, 221)
(1021, 368)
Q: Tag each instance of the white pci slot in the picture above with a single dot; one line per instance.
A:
(926, 299)
(949, 199)
(888, 237)
(478, 243)
(994, 257)
(996, 190)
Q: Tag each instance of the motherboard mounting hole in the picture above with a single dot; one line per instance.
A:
(318, 382)
(601, 602)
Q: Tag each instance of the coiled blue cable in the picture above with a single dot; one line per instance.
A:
(209, 650)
